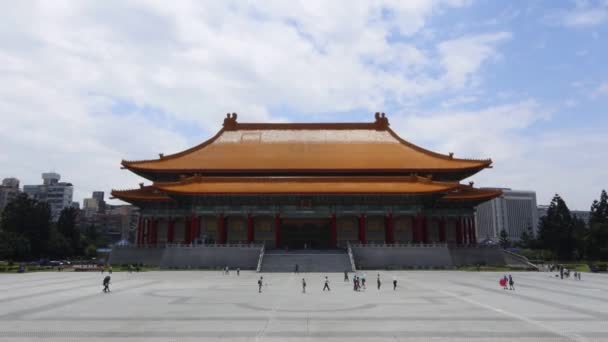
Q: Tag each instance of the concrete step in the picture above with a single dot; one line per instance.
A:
(314, 262)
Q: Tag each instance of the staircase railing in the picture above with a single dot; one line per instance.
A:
(521, 258)
(261, 258)
(350, 257)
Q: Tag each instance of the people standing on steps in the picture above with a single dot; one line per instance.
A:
(326, 286)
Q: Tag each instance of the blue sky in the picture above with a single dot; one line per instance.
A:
(88, 83)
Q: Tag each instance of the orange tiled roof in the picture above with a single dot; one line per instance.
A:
(144, 193)
(306, 147)
(468, 192)
(305, 185)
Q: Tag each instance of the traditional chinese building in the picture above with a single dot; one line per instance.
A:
(315, 185)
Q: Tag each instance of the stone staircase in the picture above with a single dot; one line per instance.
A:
(307, 261)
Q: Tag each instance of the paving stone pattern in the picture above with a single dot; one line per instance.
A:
(210, 306)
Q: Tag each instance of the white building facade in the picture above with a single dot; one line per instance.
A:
(514, 211)
(57, 194)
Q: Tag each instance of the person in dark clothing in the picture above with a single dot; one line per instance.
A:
(238, 271)
(345, 276)
(260, 282)
(355, 283)
(561, 272)
(326, 286)
(106, 284)
(378, 281)
(394, 284)
(511, 283)
(303, 285)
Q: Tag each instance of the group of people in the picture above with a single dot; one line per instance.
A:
(507, 283)
(226, 271)
(565, 273)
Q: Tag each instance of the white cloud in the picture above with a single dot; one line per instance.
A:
(462, 57)
(65, 65)
(583, 15)
(564, 161)
(601, 90)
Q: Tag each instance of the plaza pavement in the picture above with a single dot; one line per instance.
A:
(209, 306)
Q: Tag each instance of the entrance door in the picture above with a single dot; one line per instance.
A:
(312, 232)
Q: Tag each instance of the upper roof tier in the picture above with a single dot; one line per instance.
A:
(309, 148)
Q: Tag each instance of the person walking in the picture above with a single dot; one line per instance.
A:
(378, 282)
(303, 285)
(505, 282)
(355, 283)
(238, 271)
(326, 286)
(345, 276)
(394, 284)
(363, 281)
(260, 282)
(511, 283)
(106, 284)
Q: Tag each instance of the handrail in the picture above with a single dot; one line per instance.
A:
(521, 258)
(350, 257)
(259, 268)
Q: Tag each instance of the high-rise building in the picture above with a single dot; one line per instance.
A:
(9, 190)
(514, 211)
(57, 194)
(101, 203)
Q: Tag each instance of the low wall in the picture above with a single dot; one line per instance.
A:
(463, 256)
(134, 255)
(370, 257)
(416, 256)
(245, 258)
(211, 256)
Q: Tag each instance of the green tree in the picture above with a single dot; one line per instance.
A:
(504, 240)
(599, 210)
(29, 223)
(556, 230)
(526, 240)
(59, 246)
(596, 242)
(66, 226)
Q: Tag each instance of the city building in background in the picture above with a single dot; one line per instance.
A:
(9, 190)
(57, 194)
(515, 211)
(581, 214)
(116, 223)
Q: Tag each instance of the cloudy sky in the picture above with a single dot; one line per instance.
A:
(85, 84)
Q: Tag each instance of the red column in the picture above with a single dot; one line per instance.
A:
(442, 230)
(222, 233)
(362, 237)
(170, 230)
(459, 230)
(425, 230)
(139, 231)
(333, 238)
(467, 231)
(250, 229)
(194, 229)
(389, 232)
(416, 229)
(277, 230)
(473, 231)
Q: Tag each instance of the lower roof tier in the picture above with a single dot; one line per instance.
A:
(209, 186)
